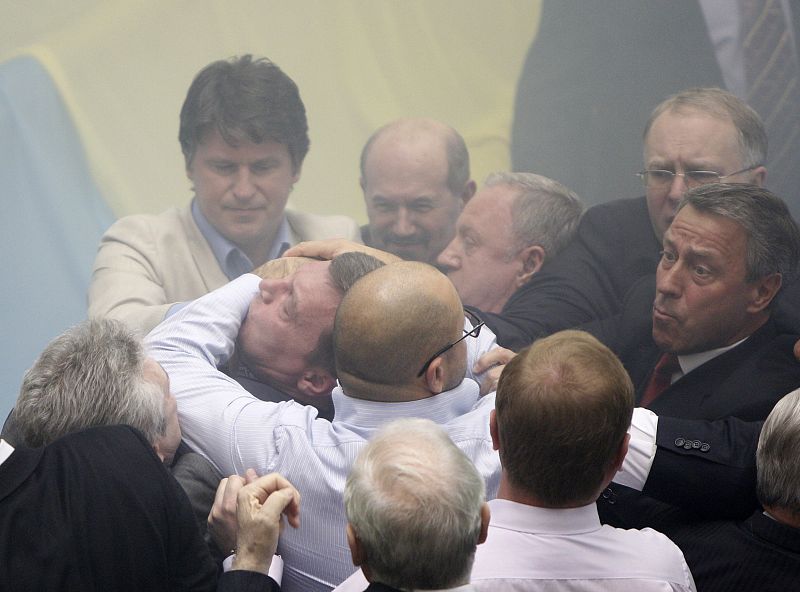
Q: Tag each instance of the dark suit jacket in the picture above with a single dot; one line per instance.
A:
(96, 510)
(709, 420)
(614, 246)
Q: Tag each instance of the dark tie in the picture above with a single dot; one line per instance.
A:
(773, 84)
(660, 379)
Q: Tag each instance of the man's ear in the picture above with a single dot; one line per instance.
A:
(493, 430)
(356, 549)
(623, 450)
(485, 516)
(532, 259)
(469, 191)
(297, 171)
(435, 376)
(759, 176)
(316, 382)
(764, 290)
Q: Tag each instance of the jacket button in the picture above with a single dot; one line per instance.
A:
(696, 444)
(705, 447)
(679, 442)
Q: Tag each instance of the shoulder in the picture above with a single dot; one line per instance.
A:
(316, 227)
(171, 220)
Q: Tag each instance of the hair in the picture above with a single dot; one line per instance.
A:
(544, 212)
(244, 98)
(414, 500)
(455, 147)
(721, 104)
(773, 240)
(390, 323)
(778, 456)
(563, 407)
(345, 270)
(90, 375)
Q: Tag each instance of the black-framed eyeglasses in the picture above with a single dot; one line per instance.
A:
(477, 323)
(661, 179)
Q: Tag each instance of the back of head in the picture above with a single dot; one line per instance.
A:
(414, 500)
(563, 409)
(721, 104)
(90, 375)
(244, 98)
(778, 457)
(390, 322)
(345, 270)
(413, 129)
(773, 239)
(544, 211)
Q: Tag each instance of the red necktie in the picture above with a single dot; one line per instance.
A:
(660, 379)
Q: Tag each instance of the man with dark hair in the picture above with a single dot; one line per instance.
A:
(504, 235)
(705, 346)
(562, 411)
(415, 179)
(694, 137)
(244, 135)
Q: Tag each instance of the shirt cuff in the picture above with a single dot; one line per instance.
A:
(641, 449)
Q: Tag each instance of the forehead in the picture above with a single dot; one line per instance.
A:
(313, 281)
(213, 145)
(493, 201)
(708, 233)
(414, 165)
(693, 135)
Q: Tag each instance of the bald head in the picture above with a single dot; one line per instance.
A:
(391, 322)
(415, 178)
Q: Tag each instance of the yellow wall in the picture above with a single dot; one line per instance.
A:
(123, 68)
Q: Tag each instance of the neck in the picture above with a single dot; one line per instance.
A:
(783, 516)
(508, 491)
(358, 388)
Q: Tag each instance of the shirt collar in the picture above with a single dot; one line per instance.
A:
(689, 362)
(510, 515)
(231, 258)
(362, 416)
(5, 450)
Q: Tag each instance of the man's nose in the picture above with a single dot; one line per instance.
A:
(269, 289)
(404, 223)
(668, 281)
(243, 186)
(450, 257)
(677, 189)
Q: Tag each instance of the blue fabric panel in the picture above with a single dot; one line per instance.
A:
(53, 217)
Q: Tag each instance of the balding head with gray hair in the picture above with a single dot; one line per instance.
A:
(415, 507)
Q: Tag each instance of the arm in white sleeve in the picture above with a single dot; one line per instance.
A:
(641, 449)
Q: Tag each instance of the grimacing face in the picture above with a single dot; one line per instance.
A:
(242, 190)
(412, 212)
(703, 301)
(690, 140)
(284, 323)
(480, 260)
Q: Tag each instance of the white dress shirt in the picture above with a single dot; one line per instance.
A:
(236, 431)
(531, 548)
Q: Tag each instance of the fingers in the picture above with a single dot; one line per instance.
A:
(257, 493)
(494, 357)
(797, 350)
(222, 518)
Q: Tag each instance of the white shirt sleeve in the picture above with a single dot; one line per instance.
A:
(641, 449)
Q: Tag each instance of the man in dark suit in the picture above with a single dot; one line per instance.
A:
(761, 552)
(710, 350)
(694, 137)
